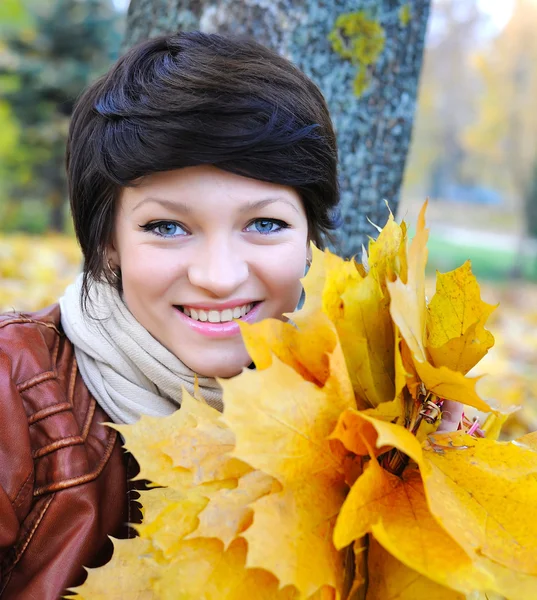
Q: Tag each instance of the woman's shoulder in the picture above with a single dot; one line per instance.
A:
(46, 317)
(49, 403)
(30, 341)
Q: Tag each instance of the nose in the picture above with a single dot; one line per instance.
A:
(219, 269)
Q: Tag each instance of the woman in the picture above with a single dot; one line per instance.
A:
(199, 168)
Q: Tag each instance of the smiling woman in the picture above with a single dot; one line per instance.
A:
(200, 168)
(231, 243)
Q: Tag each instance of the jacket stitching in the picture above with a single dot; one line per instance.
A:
(89, 419)
(49, 411)
(36, 380)
(72, 381)
(14, 555)
(31, 533)
(16, 503)
(56, 351)
(19, 320)
(67, 483)
(74, 440)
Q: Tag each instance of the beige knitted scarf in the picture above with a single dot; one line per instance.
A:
(125, 368)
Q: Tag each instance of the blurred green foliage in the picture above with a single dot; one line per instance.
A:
(49, 52)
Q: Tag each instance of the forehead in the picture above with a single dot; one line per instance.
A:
(194, 187)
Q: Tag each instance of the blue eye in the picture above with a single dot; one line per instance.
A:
(267, 226)
(166, 229)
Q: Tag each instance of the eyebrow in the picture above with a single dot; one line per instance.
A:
(171, 204)
(186, 209)
(259, 204)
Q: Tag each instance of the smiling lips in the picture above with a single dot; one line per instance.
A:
(217, 316)
(219, 324)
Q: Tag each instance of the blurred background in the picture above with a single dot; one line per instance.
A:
(473, 153)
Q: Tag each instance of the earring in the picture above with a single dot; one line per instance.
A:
(308, 262)
(115, 274)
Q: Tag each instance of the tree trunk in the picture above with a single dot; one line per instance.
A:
(373, 115)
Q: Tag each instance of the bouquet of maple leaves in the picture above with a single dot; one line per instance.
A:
(324, 478)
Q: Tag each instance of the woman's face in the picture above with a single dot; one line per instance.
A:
(198, 247)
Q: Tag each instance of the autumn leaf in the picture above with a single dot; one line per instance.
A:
(291, 532)
(366, 333)
(170, 515)
(361, 432)
(394, 509)
(451, 385)
(203, 570)
(456, 337)
(387, 257)
(494, 485)
(144, 440)
(307, 351)
(118, 579)
(189, 447)
(407, 305)
(390, 579)
(530, 440)
(358, 308)
(200, 443)
(228, 512)
(313, 352)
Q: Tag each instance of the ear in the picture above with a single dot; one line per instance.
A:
(112, 255)
(309, 252)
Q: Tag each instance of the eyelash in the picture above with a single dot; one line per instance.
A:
(152, 227)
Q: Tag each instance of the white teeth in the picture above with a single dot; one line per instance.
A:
(226, 315)
(215, 316)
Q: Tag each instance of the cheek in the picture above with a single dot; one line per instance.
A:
(147, 272)
(282, 277)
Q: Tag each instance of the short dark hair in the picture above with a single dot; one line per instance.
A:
(192, 99)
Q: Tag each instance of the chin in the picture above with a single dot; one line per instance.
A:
(223, 370)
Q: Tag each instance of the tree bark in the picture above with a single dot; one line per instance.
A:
(373, 129)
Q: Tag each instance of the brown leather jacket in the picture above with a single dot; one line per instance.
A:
(63, 480)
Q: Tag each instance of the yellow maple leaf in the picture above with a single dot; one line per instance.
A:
(456, 337)
(190, 446)
(118, 579)
(307, 351)
(361, 432)
(228, 512)
(170, 515)
(390, 579)
(407, 305)
(199, 442)
(366, 333)
(494, 485)
(450, 385)
(358, 307)
(394, 509)
(291, 532)
(203, 570)
(409, 313)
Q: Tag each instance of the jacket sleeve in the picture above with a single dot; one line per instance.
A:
(16, 468)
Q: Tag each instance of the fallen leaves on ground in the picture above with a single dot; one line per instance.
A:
(34, 271)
